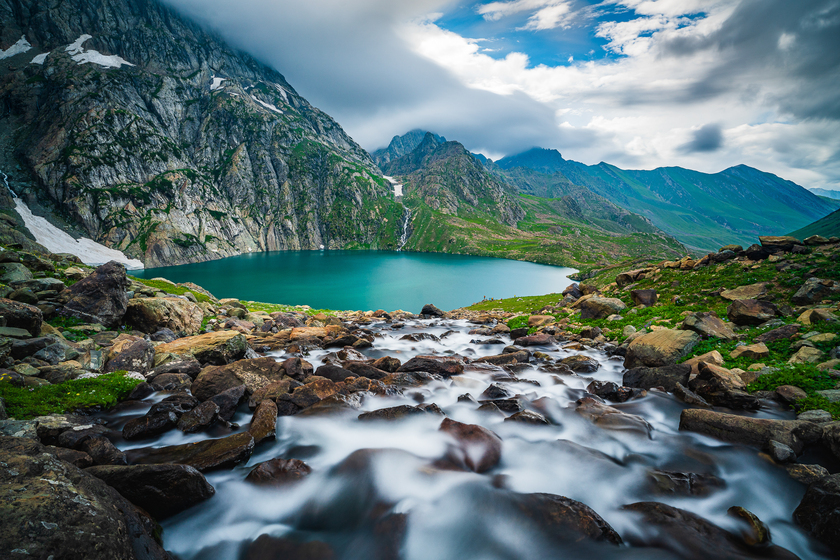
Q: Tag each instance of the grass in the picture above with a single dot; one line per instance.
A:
(254, 306)
(104, 391)
(162, 286)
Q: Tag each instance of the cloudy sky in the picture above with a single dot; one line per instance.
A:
(704, 84)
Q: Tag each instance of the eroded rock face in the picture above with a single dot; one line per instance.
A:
(100, 297)
(49, 505)
(152, 314)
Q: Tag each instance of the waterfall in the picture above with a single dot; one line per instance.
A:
(405, 233)
(6, 181)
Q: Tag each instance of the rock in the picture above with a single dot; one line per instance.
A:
(137, 356)
(753, 291)
(76, 513)
(228, 401)
(441, 365)
(298, 368)
(150, 425)
(218, 348)
(646, 298)
(540, 320)
(496, 391)
(152, 314)
(819, 511)
(817, 416)
(203, 455)
(610, 418)
(722, 256)
(600, 307)
(691, 537)
(591, 332)
(708, 325)
(789, 394)
(816, 240)
(213, 381)
(783, 332)
(24, 295)
(162, 490)
(806, 474)
(475, 448)
(757, 351)
(757, 432)
(807, 355)
(199, 418)
(685, 484)
(628, 330)
(254, 374)
(581, 364)
(334, 373)
(780, 452)
(775, 244)
(362, 369)
(504, 359)
(722, 387)
(816, 316)
(431, 311)
(397, 412)
(76, 458)
(666, 377)
(25, 429)
(713, 357)
(528, 417)
(831, 437)
(660, 348)
(751, 311)
(264, 421)
(278, 471)
(14, 272)
(21, 316)
(538, 339)
(562, 519)
(188, 366)
(100, 297)
(815, 290)
(162, 335)
(626, 278)
(612, 391)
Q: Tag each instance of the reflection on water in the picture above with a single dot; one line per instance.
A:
(370, 479)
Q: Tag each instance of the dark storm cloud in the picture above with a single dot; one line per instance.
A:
(708, 138)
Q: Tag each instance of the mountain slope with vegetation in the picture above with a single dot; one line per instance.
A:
(157, 139)
(826, 227)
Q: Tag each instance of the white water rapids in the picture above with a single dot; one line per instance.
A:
(453, 515)
(404, 235)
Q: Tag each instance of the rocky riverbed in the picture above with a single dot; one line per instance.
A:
(260, 435)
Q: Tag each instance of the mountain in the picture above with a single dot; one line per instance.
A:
(702, 210)
(826, 193)
(828, 226)
(129, 124)
(402, 145)
(459, 206)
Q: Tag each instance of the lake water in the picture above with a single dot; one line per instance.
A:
(367, 279)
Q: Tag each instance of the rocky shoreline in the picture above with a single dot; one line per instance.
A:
(68, 487)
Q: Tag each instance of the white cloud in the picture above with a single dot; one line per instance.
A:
(546, 14)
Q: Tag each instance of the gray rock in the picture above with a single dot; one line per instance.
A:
(101, 297)
(819, 511)
(666, 377)
(14, 272)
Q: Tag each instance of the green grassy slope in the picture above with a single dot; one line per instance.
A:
(827, 227)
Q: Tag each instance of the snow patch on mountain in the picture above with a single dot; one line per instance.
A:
(21, 46)
(82, 56)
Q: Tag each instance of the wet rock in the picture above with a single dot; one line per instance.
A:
(278, 471)
(757, 351)
(496, 391)
(511, 406)
(685, 484)
(152, 314)
(100, 297)
(162, 490)
(612, 391)
(751, 312)
(581, 364)
(690, 397)
(362, 369)
(102, 451)
(387, 363)
(337, 403)
(529, 417)
(254, 374)
(264, 421)
(539, 339)
(522, 356)
(753, 291)
(819, 511)
(590, 332)
(475, 448)
(757, 432)
(660, 348)
(217, 348)
(610, 418)
(806, 474)
(334, 373)
(173, 382)
(228, 401)
(645, 298)
(150, 425)
(410, 379)
(266, 547)
(399, 412)
(666, 377)
(199, 418)
(600, 307)
(722, 387)
(780, 452)
(430, 310)
(441, 365)
(203, 455)
(708, 325)
(564, 519)
(76, 513)
(21, 316)
(298, 368)
(273, 391)
(138, 356)
(691, 537)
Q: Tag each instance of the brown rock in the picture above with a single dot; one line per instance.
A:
(200, 418)
(708, 325)
(278, 471)
(667, 377)
(757, 351)
(660, 348)
(138, 355)
(757, 432)
(220, 347)
(538, 339)
(475, 448)
(100, 297)
(611, 418)
(204, 455)
(152, 314)
(387, 363)
(753, 291)
(782, 332)
(540, 320)
(264, 421)
(781, 243)
(790, 394)
(646, 298)
(21, 316)
(600, 307)
(255, 374)
(815, 316)
(751, 311)
(441, 365)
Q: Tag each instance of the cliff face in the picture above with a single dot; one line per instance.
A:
(158, 139)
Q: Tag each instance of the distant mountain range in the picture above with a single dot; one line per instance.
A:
(826, 193)
(828, 226)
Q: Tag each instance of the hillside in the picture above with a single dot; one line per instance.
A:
(457, 206)
(701, 210)
(826, 227)
(402, 145)
(155, 138)
(826, 193)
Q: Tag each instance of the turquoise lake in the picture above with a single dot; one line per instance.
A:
(367, 279)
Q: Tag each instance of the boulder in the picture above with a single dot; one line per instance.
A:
(264, 421)
(815, 316)
(807, 355)
(831, 437)
(203, 455)
(14, 272)
(538, 339)
(645, 298)
(278, 471)
(138, 355)
(581, 364)
(752, 291)
(815, 290)
(781, 243)
(757, 351)
(431, 310)
(540, 320)
(521, 356)
(474, 447)
(162, 490)
(572, 290)
(228, 401)
(387, 363)
(690, 537)
(445, 366)
(783, 332)
(751, 311)
(76, 513)
(254, 374)
(398, 412)
(758, 432)
(660, 348)
(561, 518)
(600, 307)
(708, 325)
(199, 418)
(334, 373)
(363, 369)
(816, 240)
(627, 278)
(610, 418)
(150, 425)
(819, 511)
(220, 347)
(722, 387)
(152, 314)
(666, 377)
(19, 315)
(100, 297)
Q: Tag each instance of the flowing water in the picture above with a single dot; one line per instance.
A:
(363, 470)
(6, 182)
(405, 232)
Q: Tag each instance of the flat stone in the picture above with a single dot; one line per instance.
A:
(752, 291)
(750, 431)
(757, 351)
(204, 455)
(660, 348)
(833, 395)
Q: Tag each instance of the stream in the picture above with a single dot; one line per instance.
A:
(454, 515)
